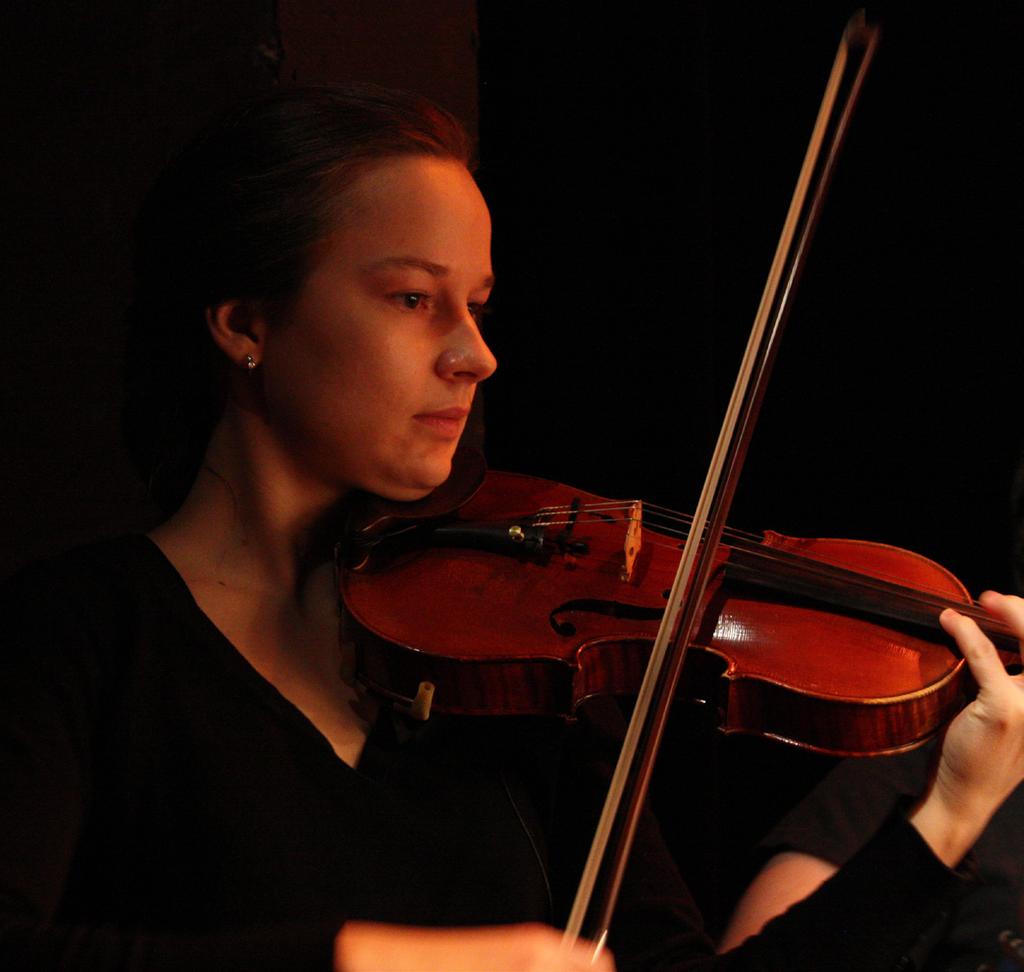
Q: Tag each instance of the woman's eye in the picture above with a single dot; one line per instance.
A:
(412, 301)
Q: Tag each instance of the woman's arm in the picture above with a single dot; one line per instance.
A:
(980, 763)
(787, 878)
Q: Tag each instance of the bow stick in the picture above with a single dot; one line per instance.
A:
(606, 862)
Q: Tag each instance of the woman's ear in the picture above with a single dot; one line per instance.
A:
(238, 328)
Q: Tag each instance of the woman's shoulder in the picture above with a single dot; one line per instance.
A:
(97, 588)
(128, 561)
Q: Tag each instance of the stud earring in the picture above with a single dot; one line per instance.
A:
(250, 362)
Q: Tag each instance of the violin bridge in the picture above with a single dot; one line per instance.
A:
(631, 547)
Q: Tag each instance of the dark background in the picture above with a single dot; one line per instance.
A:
(639, 171)
(636, 223)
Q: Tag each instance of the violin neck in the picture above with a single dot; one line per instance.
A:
(859, 594)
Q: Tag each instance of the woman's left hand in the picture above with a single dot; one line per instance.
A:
(982, 757)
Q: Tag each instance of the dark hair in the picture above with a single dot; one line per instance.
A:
(235, 217)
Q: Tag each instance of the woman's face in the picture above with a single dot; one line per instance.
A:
(370, 374)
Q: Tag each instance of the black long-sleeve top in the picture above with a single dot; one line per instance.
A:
(840, 814)
(163, 807)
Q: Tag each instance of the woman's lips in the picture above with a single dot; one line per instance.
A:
(446, 422)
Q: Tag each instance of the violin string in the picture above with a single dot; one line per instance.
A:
(931, 598)
(661, 515)
(926, 598)
(757, 549)
(756, 543)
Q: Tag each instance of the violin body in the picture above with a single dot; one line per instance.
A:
(534, 631)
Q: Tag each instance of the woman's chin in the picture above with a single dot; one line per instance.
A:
(408, 494)
(414, 484)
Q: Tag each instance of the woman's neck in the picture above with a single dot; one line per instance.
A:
(249, 521)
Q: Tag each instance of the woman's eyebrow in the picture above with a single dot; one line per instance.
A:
(434, 269)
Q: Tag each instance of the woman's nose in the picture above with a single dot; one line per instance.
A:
(467, 356)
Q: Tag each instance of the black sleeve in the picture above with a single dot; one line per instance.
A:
(853, 800)
(863, 919)
(866, 917)
(57, 665)
(839, 816)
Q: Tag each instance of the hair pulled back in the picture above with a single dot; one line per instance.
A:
(235, 217)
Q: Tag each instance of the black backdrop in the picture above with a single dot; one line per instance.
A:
(639, 169)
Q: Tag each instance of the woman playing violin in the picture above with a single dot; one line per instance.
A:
(190, 776)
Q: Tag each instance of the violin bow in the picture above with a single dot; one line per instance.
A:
(606, 863)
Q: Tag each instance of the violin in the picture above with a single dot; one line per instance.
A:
(532, 596)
